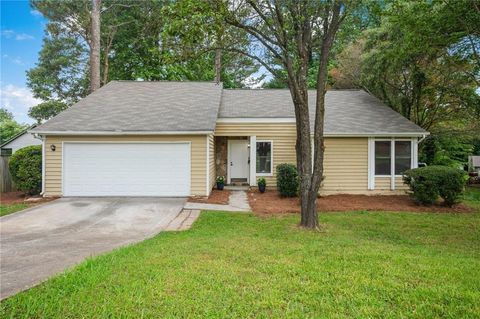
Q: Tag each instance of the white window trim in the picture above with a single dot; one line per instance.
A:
(271, 158)
(371, 159)
(253, 160)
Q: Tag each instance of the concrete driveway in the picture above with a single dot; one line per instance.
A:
(47, 239)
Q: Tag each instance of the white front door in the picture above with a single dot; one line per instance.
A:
(238, 159)
(126, 169)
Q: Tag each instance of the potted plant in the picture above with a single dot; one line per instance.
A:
(262, 184)
(220, 182)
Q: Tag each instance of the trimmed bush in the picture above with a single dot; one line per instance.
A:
(429, 183)
(26, 169)
(287, 180)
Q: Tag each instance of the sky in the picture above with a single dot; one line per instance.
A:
(20, 42)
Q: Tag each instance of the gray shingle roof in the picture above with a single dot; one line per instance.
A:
(346, 111)
(136, 106)
(132, 106)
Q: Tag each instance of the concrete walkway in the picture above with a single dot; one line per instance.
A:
(42, 241)
(237, 202)
(184, 220)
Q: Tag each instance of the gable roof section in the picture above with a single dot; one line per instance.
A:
(142, 107)
(5, 144)
(347, 112)
(135, 107)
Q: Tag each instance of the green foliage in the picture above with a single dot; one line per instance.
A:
(61, 72)
(26, 169)
(221, 179)
(429, 183)
(261, 181)
(287, 180)
(8, 126)
(447, 149)
(46, 110)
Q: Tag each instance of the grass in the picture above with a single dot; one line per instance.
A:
(11, 208)
(472, 197)
(362, 265)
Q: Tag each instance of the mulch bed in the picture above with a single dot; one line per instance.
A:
(20, 198)
(216, 197)
(271, 203)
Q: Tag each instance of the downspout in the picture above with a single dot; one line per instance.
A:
(40, 137)
(424, 136)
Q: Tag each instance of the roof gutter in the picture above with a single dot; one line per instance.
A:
(389, 134)
(109, 133)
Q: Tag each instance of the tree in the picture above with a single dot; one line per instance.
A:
(95, 46)
(286, 35)
(8, 126)
(46, 110)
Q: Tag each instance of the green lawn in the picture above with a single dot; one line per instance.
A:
(472, 197)
(11, 208)
(362, 265)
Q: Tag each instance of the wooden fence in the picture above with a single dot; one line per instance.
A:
(6, 183)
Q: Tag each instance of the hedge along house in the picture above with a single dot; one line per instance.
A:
(173, 138)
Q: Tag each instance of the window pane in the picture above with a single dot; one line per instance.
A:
(264, 157)
(403, 156)
(382, 158)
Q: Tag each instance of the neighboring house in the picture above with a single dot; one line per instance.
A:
(173, 138)
(474, 163)
(21, 140)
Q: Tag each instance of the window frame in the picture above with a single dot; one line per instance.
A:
(392, 154)
(375, 157)
(271, 157)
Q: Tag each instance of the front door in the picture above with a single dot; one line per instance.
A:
(238, 166)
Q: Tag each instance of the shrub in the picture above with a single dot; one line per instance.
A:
(261, 182)
(26, 169)
(287, 180)
(429, 183)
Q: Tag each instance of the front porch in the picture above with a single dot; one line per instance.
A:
(237, 160)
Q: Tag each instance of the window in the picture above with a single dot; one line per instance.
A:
(403, 156)
(264, 158)
(382, 157)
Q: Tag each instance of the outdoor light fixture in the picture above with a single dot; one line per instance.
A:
(53, 147)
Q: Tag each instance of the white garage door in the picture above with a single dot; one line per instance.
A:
(113, 169)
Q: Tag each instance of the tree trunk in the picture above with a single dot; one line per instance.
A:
(218, 65)
(95, 46)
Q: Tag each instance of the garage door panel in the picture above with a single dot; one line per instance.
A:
(117, 169)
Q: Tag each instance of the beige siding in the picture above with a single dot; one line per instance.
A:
(282, 135)
(53, 160)
(346, 159)
(382, 183)
(211, 161)
(346, 165)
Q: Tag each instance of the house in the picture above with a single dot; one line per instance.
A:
(133, 138)
(21, 140)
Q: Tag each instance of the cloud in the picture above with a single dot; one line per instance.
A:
(11, 34)
(18, 100)
(16, 60)
(35, 13)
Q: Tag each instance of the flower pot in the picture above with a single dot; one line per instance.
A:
(262, 188)
(220, 186)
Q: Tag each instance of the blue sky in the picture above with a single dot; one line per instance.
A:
(21, 40)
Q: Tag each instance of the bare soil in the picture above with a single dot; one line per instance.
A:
(270, 202)
(20, 197)
(216, 197)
